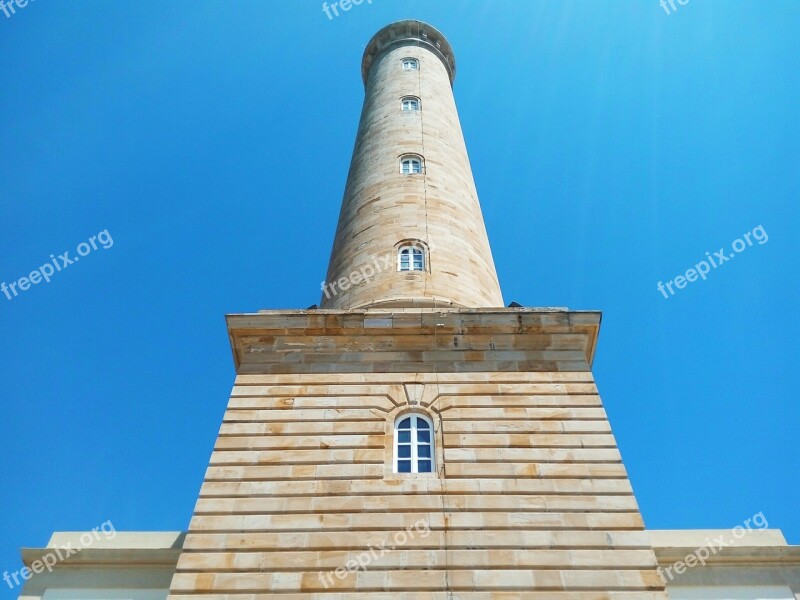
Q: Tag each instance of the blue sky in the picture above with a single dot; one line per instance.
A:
(613, 145)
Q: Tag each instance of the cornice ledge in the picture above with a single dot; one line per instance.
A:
(735, 556)
(406, 340)
(409, 31)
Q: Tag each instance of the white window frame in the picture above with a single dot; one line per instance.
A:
(414, 443)
(410, 63)
(414, 104)
(412, 250)
(411, 159)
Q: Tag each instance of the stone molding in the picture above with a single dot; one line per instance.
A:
(413, 340)
(409, 32)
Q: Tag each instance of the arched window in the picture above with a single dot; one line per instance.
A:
(410, 258)
(413, 444)
(410, 104)
(410, 165)
(410, 64)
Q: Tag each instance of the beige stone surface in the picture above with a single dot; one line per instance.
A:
(461, 595)
(511, 509)
(445, 340)
(750, 537)
(438, 208)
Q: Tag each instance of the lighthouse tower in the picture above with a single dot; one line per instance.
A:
(410, 187)
(412, 438)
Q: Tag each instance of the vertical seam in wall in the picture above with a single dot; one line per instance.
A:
(443, 474)
(443, 494)
(427, 265)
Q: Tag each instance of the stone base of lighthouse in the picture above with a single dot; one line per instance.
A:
(529, 498)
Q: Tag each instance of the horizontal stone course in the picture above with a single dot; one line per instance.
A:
(441, 388)
(449, 539)
(397, 378)
(295, 472)
(427, 595)
(427, 502)
(412, 559)
(423, 580)
(351, 441)
(378, 426)
(414, 487)
(531, 455)
(542, 520)
(299, 457)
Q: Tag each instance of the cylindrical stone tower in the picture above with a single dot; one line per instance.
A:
(410, 231)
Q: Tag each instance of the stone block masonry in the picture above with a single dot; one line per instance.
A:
(529, 497)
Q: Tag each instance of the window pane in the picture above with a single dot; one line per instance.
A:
(414, 451)
(410, 165)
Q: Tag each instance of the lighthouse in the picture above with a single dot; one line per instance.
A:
(411, 437)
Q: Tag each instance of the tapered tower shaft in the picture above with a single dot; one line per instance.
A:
(410, 187)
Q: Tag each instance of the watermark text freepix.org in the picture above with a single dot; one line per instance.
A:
(56, 265)
(7, 6)
(51, 558)
(703, 268)
(713, 545)
(671, 3)
(363, 560)
(363, 275)
(345, 5)
(367, 272)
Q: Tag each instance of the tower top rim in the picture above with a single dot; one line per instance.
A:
(409, 32)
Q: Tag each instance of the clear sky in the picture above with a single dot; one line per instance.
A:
(613, 145)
